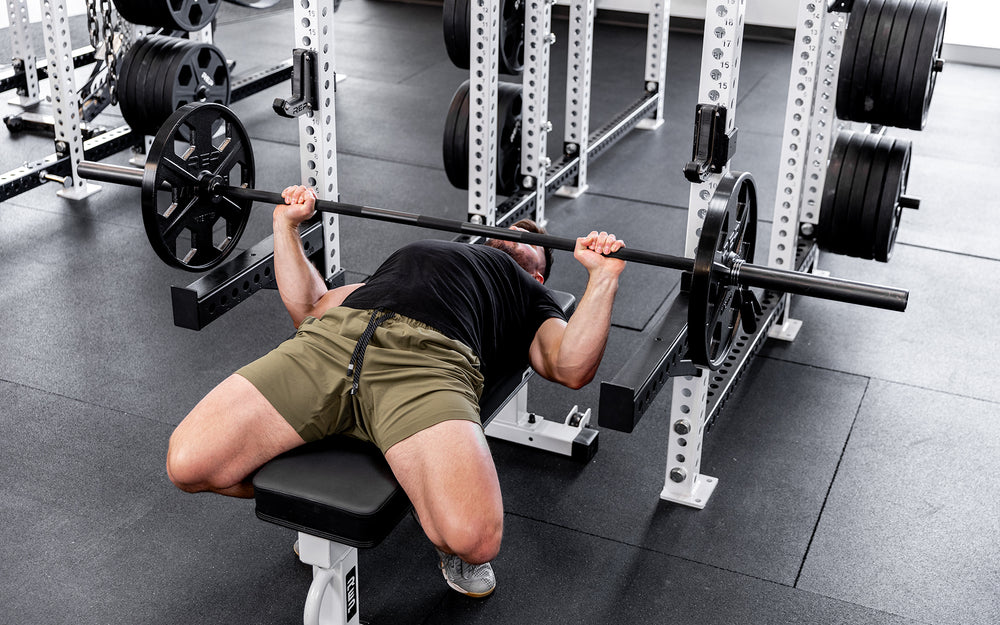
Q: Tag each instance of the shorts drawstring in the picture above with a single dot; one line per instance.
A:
(379, 316)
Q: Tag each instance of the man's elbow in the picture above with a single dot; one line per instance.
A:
(577, 380)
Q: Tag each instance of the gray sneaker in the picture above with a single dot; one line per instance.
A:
(473, 580)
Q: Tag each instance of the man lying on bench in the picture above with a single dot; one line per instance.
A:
(400, 361)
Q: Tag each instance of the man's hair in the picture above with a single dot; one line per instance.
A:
(531, 226)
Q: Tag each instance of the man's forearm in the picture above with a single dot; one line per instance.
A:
(586, 335)
(299, 283)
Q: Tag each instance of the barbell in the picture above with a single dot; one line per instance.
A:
(199, 174)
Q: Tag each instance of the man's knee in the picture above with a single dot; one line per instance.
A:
(476, 540)
(184, 468)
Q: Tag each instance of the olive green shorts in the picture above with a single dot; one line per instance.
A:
(412, 377)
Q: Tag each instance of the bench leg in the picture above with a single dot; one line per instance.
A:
(333, 595)
(571, 437)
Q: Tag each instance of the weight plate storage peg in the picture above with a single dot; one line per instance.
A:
(455, 147)
(458, 31)
(890, 60)
(186, 15)
(863, 195)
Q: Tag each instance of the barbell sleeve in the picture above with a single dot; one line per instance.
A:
(811, 285)
(115, 174)
(745, 274)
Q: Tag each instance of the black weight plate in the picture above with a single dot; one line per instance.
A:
(136, 84)
(511, 35)
(146, 70)
(201, 75)
(929, 51)
(132, 10)
(863, 59)
(147, 84)
(464, 21)
(190, 15)
(824, 226)
(188, 226)
(897, 174)
(855, 239)
(840, 228)
(873, 107)
(157, 95)
(849, 53)
(890, 73)
(124, 79)
(215, 85)
(729, 230)
(455, 147)
(907, 62)
(868, 226)
(456, 31)
(508, 138)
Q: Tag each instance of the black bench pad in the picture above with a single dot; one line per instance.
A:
(342, 489)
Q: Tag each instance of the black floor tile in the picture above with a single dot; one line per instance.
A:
(856, 483)
(941, 342)
(773, 452)
(958, 218)
(911, 523)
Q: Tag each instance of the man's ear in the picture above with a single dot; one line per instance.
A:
(538, 276)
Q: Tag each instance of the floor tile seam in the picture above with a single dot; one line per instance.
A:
(720, 568)
(872, 378)
(645, 202)
(657, 204)
(829, 488)
(261, 15)
(96, 219)
(119, 411)
(640, 547)
(947, 251)
(343, 152)
(745, 93)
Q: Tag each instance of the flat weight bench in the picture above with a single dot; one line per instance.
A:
(339, 495)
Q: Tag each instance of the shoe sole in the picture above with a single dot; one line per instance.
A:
(457, 588)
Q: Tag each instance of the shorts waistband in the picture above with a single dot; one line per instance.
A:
(362, 316)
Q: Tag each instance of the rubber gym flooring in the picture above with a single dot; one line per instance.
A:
(858, 465)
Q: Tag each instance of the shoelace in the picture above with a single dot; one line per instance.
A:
(379, 316)
(469, 571)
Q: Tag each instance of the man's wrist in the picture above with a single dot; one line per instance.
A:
(282, 224)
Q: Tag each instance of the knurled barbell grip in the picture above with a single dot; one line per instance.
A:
(463, 227)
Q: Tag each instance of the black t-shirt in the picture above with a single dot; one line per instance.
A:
(472, 293)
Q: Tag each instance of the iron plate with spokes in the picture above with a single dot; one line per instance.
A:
(199, 148)
(728, 238)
